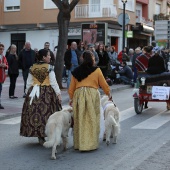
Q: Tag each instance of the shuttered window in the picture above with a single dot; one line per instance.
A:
(11, 5)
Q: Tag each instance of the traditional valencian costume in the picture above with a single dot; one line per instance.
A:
(41, 100)
(86, 106)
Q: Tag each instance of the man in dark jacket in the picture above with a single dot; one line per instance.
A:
(156, 63)
(47, 47)
(126, 74)
(26, 60)
(71, 60)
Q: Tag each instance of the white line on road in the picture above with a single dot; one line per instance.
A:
(11, 121)
(154, 122)
(125, 114)
(128, 113)
(2, 114)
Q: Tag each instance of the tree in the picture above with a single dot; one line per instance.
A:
(63, 20)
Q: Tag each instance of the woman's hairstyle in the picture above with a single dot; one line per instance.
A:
(127, 50)
(148, 49)
(12, 46)
(100, 45)
(88, 58)
(41, 53)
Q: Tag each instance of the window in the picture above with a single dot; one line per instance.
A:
(138, 12)
(129, 5)
(157, 9)
(11, 5)
(16, 7)
(49, 4)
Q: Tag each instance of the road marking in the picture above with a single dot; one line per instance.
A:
(2, 114)
(126, 114)
(11, 121)
(154, 122)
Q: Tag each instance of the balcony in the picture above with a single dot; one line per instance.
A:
(161, 17)
(95, 11)
(144, 21)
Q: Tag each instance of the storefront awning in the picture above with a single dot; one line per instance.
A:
(148, 29)
(143, 33)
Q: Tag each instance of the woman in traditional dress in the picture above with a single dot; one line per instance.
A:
(85, 99)
(43, 98)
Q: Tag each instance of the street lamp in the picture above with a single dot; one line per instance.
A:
(124, 6)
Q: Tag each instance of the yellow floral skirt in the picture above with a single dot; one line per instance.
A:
(86, 109)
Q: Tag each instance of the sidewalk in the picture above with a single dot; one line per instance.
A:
(13, 107)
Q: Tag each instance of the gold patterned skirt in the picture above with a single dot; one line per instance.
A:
(86, 109)
(34, 117)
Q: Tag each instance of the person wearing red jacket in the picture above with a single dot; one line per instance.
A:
(3, 67)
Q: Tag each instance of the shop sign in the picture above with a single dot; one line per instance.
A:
(129, 34)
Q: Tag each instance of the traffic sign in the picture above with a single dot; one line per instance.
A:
(120, 19)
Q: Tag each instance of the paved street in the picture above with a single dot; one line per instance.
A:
(143, 144)
(13, 107)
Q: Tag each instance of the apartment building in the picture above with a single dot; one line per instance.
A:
(36, 21)
(147, 11)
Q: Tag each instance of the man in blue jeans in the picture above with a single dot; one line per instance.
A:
(71, 60)
(126, 74)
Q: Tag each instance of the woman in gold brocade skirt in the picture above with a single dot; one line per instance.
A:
(85, 99)
(42, 100)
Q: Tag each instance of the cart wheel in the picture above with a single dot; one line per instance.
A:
(138, 106)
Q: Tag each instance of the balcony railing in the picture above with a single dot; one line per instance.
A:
(95, 11)
(143, 20)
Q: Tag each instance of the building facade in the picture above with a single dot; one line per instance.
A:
(36, 21)
(147, 11)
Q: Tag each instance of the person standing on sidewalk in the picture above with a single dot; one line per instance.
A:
(47, 47)
(91, 48)
(138, 52)
(71, 60)
(42, 100)
(103, 60)
(26, 60)
(13, 70)
(80, 49)
(85, 99)
(3, 67)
